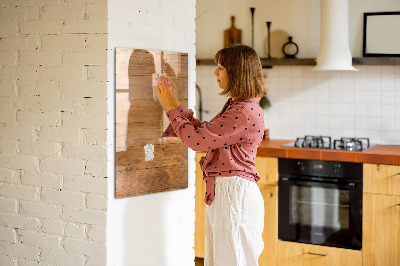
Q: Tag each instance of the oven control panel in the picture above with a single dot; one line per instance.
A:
(330, 169)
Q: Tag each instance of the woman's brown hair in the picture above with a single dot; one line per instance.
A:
(245, 78)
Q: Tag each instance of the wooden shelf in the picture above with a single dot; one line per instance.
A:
(312, 61)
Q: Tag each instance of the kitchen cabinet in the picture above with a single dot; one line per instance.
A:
(200, 207)
(381, 215)
(270, 233)
(267, 167)
(381, 179)
(298, 254)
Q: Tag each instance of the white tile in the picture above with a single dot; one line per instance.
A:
(297, 83)
(361, 123)
(322, 122)
(388, 84)
(297, 131)
(285, 132)
(360, 133)
(388, 97)
(361, 97)
(348, 123)
(374, 110)
(348, 132)
(388, 110)
(322, 83)
(322, 74)
(374, 123)
(310, 108)
(308, 72)
(322, 109)
(374, 84)
(397, 72)
(334, 81)
(397, 134)
(310, 130)
(373, 70)
(397, 111)
(286, 120)
(375, 136)
(298, 97)
(388, 137)
(334, 109)
(285, 71)
(348, 96)
(335, 122)
(388, 124)
(335, 95)
(387, 71)
(360, 83)
(296, 71)
(298, 108)
(285, 83)
(334, 77)
(397, 84)
(310, 95)
(347, 109)
(298, 121)
(374, 97)
(322, 96)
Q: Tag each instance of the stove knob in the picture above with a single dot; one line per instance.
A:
(336, 169)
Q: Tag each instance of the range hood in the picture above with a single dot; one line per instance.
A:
(334, 51)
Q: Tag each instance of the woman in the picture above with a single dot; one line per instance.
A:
(235, 207)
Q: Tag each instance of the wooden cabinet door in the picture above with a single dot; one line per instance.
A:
(200, 207)
(381, 179)
(270, 233)
(297, 254)
(267, 168)
(381, 230)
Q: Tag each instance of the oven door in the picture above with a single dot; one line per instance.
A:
(321, 212)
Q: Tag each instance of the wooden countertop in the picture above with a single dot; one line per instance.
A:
(379, 154)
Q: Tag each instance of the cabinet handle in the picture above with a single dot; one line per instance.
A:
(318, 254)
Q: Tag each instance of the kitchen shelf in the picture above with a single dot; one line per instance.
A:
(312, 61)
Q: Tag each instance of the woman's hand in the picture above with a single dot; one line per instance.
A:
(164, 95)
(174, 90)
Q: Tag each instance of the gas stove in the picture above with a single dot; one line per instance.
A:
(325, 142)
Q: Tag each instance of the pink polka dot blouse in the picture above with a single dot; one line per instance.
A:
(231, 139)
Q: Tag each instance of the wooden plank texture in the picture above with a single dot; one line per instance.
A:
(140, 121)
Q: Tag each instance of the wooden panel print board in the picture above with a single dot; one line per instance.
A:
(144, 162)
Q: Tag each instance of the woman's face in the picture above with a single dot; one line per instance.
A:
(222, 76)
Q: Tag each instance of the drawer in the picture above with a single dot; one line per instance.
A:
(381, 179)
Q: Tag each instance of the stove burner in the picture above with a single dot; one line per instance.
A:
(351, 144)
(308, 141)
(324, 142)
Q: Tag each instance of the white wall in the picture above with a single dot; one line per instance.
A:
(155, 229)
(53, 190)
(338, 104)
(299, 18)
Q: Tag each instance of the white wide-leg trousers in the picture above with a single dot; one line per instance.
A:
(234, 223)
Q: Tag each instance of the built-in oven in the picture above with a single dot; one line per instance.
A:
(320, 202)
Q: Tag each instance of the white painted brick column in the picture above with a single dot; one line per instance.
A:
(53, 111)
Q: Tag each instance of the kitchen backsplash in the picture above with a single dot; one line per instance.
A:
(338, 104)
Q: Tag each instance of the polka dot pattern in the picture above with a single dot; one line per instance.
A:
(231, 138)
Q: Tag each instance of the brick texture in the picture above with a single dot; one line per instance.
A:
(53, 109)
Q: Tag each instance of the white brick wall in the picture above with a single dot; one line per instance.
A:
(161, 224)
(53, 107)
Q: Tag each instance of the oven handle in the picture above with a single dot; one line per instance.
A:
(298, 181)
